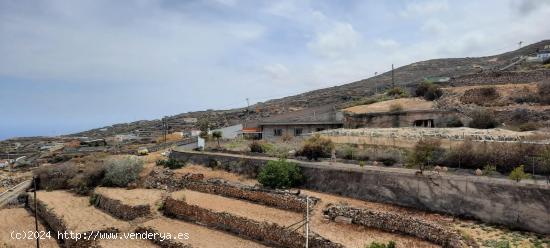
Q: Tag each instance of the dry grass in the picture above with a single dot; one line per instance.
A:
(77, 212)
(132, 197)
(19, 220)
(199, 236)
(481, 234)
(211, 173)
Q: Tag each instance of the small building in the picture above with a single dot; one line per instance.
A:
(301, 122)
(230, 132)
(190, 120)
(93, 142)
(403, 112)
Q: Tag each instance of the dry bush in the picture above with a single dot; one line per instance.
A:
(317, 147)
(482, 119)
(90, 177)
(396, 107)
(119, 172)
(544, 91)
(57, 176)
(428, 91)
(480, 96)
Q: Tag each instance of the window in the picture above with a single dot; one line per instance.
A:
(298, 131)
(278, 132)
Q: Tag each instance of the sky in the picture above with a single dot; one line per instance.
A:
(73, 65)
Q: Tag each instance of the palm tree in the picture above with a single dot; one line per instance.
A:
(217, 135)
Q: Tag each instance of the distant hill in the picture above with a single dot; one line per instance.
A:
(406, 76)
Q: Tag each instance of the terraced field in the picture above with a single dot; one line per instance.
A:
(20, 220)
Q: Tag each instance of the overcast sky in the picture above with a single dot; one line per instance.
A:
(72, 65)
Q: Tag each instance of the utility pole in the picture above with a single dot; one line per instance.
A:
(519, 44)
(392, 77)
(307, 221)
(164, 127)
(35, 213)
(247, 111)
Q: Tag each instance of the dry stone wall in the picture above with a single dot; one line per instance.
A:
(516, 205)
(164, 178)
(268, 233)
(394, 222)
(119, 209)
(501, 77)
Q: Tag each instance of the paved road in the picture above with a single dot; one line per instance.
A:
(10, 194)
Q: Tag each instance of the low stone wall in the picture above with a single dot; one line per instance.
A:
(166, 243)
(516, 205)
(118, 209)
(57, 225)
(268, 233)
(394, 222)
(164, 178)
(501, 77)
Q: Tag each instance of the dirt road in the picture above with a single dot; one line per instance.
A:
(12, 193)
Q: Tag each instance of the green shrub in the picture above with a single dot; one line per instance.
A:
(518, 174)
(390, 244)
(425, 153)
(387, 161)
(453, 121)
(120, 172)
(280, 174)
(396, 92)
(93, 199)
(482, 119)
(256, 147)
(171, 163)
(428, 91)
(489, 170)
(317, 147)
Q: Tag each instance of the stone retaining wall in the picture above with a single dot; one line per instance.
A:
(120, 210)
(516, 205)
(57, 225)
(394, 222)
(160, 178)
(501, 77)
(268, 233)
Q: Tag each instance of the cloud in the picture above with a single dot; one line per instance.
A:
(335, 42)
(423, 8)
(387, 43)
(526, 7)
(434, 26)
(277, 71)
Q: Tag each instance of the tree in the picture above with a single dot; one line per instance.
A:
(204, 125)
(217, 135)
(482, 119)
(518, 174)
(424, 154)
(280, 174)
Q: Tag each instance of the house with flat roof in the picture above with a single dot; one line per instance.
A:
(402, 112)
(301, 122)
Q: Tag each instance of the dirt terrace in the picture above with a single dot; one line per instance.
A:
(20, 220)
(77, 212)
(237, 207)
(209, 173)
(133, 197)
(126, 243)
(199, 236)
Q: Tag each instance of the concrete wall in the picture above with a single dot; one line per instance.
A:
(517, 205)
(268, 130)
(400, 119)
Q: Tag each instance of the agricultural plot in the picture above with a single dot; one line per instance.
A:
(20, 220)
(77, 213)
(199, 236)
(133, 197)
(237, 207)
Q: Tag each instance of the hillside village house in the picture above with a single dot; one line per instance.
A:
(301, 122)
(403, 112)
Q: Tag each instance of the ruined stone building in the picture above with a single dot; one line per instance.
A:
(403, 112)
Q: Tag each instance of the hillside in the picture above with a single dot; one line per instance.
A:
(406, 76)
